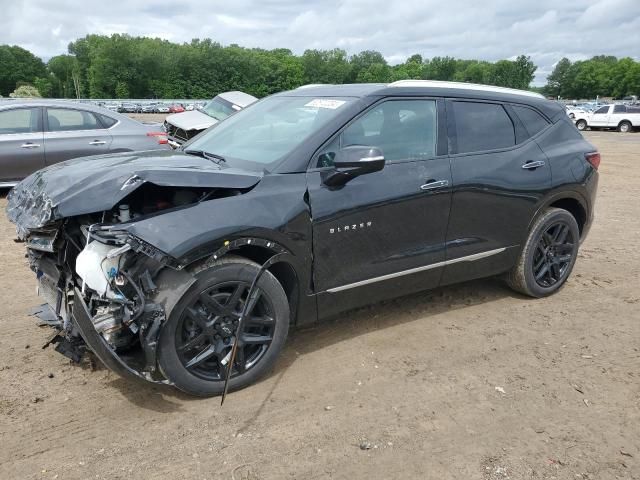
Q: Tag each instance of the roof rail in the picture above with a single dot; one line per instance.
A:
(311, 85)
(463, 86)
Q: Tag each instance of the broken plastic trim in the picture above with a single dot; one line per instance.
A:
(100, 347)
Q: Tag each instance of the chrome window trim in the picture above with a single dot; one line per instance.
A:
(468, 258)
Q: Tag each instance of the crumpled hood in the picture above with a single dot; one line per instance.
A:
(193, 120)
(98, 183)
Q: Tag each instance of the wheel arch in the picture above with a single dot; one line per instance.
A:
(570, 201)
(260, 250)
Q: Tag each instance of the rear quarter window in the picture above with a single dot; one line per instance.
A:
(482, 126)
(106, 121)
(532, 120)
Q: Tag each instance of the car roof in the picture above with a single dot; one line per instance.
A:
(239, 98)
(430, 88)
(416, 87)
(42, 102)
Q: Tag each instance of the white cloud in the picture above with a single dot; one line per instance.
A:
(546, 30)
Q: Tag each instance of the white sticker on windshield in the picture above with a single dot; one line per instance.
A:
(325, 103)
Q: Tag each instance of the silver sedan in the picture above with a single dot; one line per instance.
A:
(38, 133)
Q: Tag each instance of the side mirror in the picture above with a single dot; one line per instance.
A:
(354, 161)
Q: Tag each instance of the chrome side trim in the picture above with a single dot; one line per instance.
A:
(9, 184)
(468, 258)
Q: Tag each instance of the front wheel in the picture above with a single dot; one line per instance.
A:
(581, 125)
(195, 343)
(548, 256)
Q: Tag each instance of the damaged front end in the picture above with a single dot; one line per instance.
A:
(106, 290)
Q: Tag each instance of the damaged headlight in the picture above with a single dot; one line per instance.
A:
(43, 241)
(28, 211)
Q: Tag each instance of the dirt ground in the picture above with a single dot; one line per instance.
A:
(468, 382)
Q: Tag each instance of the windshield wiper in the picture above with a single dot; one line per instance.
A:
(209, 156)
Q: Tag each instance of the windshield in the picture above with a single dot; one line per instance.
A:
(259, 136)
(219, 108)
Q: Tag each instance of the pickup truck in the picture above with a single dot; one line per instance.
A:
(623, 118)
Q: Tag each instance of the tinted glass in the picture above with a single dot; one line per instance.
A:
(107, 121)
(482, 126)
(619, 109)
(603, 110)
(532, 120)
(403, 130)
(62, 120)
(19, 120)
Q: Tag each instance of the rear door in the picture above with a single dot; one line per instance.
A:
(71, 133)
(21, 143)
(500, 174)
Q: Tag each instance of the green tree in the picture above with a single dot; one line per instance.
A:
(25, 91)
(18, 65)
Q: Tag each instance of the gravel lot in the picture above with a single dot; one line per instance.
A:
(467, 382)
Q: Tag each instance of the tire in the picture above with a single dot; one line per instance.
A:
(625, 127)
(572, 116)
(189, 315)
(581, 125)
(539, 251)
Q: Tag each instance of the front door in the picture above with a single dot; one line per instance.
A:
(382, 234)
(72, 133)
(21, 144)
(600, 118)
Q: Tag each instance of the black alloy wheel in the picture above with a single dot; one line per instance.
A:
(548, 256)
(208, 328)
(553, 255)
(196, 340)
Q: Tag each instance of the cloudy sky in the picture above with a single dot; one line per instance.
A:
(546, 30)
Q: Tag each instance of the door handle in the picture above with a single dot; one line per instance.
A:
(433, 184)
(531, 165)
(30, 145)
(97, 142)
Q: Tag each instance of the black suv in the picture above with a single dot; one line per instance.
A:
(307, 203)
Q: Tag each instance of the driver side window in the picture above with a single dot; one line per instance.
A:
(402, 129)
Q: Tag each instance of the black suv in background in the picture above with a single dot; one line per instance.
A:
(346, 194)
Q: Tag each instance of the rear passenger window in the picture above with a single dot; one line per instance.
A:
(19, 120)
(482, 126)
(619, 109)
(532, 120)
(62, 120)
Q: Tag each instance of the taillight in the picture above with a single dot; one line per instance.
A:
(593, 158)
(160, 136)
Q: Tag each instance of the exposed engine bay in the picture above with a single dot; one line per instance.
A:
(118, 289)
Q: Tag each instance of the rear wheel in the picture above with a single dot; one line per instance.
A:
(581, 125)
(548, 256)
(195, 343)
(625, 127)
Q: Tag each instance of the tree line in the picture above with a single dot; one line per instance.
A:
(121, 66)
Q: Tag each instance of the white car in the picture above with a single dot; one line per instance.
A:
(181, 127)
(621, 117)
(573, 110)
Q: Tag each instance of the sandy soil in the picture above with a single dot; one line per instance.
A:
(468, 382)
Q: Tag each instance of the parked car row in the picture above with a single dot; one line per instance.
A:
(149, 107)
